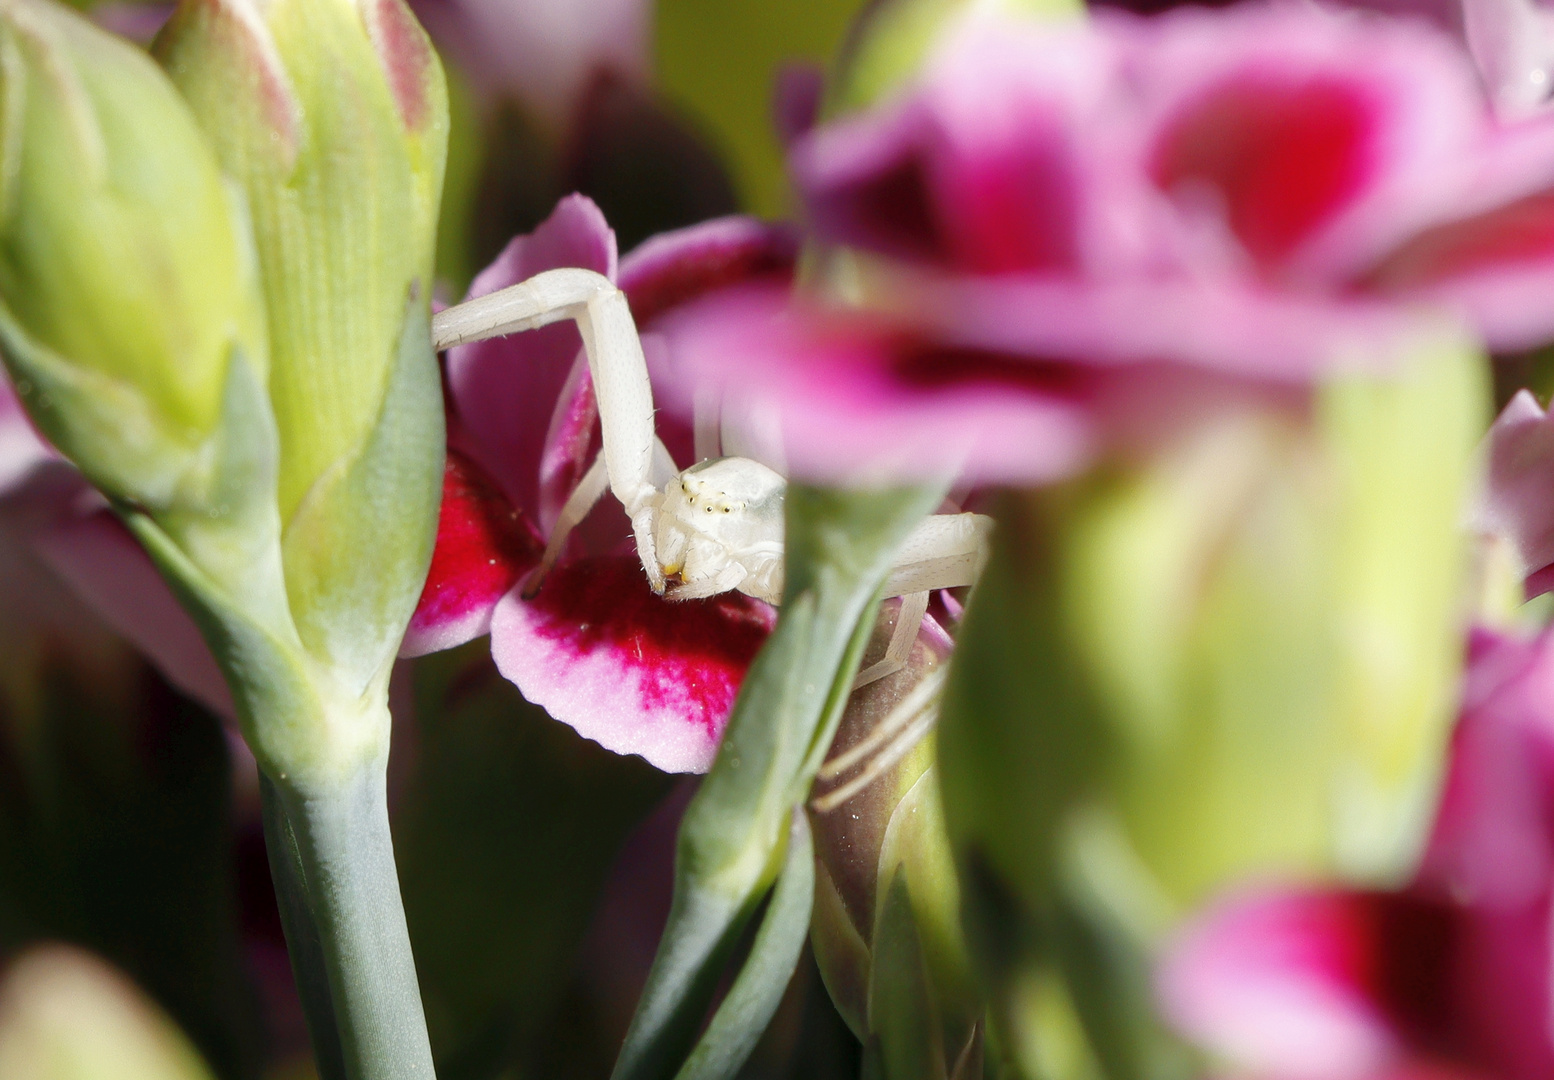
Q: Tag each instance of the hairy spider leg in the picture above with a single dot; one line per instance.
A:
(890, 741)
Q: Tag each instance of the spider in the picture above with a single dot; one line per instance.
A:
(718, 525)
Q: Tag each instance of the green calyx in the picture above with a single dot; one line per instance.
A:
(335, 126)
(215, 302)
(1235, 660)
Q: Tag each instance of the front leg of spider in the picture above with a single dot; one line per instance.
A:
(630, 451)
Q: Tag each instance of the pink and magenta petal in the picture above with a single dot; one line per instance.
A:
(855, 398)
(484, 545)
(674, 268)
(979, 168)
(634, 672)
(1321, 139)
(1277, 985)
(1496, 267)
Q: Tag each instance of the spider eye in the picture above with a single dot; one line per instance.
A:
(728, 509)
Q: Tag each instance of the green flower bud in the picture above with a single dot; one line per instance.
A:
(332, 115)
(886, 927)
(126, 279)
(1234, 660)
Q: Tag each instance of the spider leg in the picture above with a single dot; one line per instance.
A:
(909, 618)
(890, 741)
(590, 489)
(615, 361)
(943, 551)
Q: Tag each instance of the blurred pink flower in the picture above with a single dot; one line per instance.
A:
(595, 646)
(1054, 216)
(543, 52)
(1452, 977)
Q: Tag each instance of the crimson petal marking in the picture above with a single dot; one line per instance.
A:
(1285, 157)
(636, 673)
(484, 545)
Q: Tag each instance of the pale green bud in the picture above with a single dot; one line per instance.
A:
(125, 274)
(66, 1015)
(332, 115)
(886, 928)
(1235, 660)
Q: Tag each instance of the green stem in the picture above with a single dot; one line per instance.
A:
(302, 943)
(346, 860)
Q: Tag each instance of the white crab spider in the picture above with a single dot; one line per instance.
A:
(717, 526)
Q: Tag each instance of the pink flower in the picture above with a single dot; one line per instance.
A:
(594, 646)
(1452, 977)
(1055, 217)
(543, 52)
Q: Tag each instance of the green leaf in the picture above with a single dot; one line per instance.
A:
(839, 549)
(902, 1016)
(756, 993)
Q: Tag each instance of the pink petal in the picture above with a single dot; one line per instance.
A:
(505, 390)
(634, 672)
(856, 399)
(1517, 500)
(1275, 984)
(674, 268)
(1497, 267)
(979, 168)
(1320, 138)
(484, 545)
(102, 563)
(543, 52)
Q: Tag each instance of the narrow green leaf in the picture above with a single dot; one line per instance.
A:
(840, 547)
(902, 1016)
(756, 993)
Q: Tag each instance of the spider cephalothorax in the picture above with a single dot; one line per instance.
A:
(719, 527)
